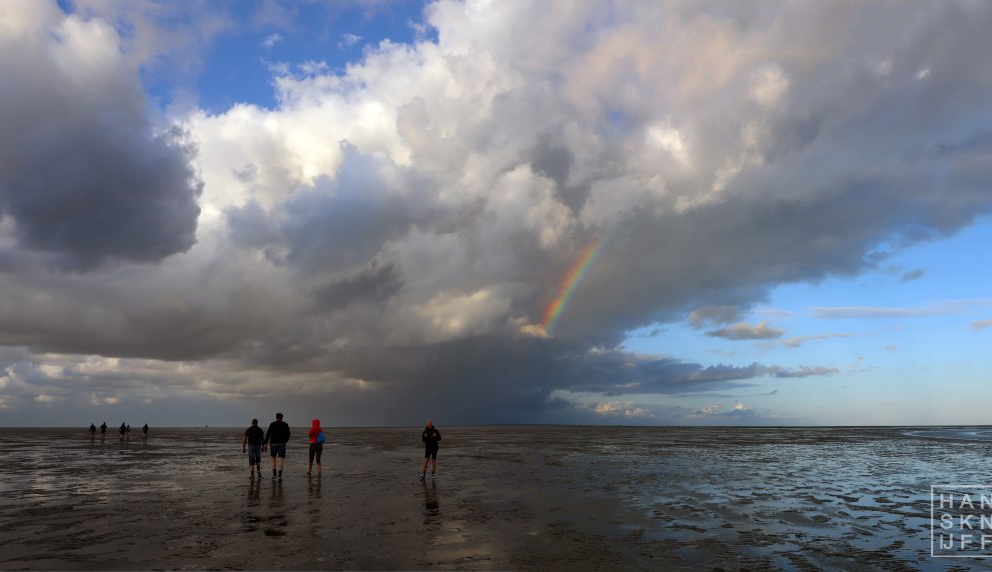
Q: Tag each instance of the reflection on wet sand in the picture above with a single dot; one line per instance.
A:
(254, 493)
(530, 498)
(277, 519)
(432, 508)
(313, 488)
(313, 507)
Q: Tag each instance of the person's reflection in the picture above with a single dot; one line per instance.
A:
(432, 508)
(249, 517)
(313, 490)
(275, 498)
(253, 493)
(277, 519)
(313, 507)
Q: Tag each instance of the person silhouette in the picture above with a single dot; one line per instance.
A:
(432, 439)
(316, 435)
(253, 444)
(275, 439)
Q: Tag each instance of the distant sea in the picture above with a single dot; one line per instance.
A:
(507, 497)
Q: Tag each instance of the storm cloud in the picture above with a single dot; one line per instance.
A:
(83, 177)
(391, 236)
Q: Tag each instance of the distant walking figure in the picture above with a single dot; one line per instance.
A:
(123, 430)
(253, 441)
(431, 438)
(127, 435)
(92, 431)
(145, 431)
(275, 439)
(316, 435)
(103, 431)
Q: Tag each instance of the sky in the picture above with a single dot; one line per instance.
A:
(375, 212)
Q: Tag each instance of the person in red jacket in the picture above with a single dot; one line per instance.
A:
(316, 445)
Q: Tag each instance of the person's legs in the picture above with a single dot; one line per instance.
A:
(313, 451)
(279, 450)
(423, 470)
(320, 449)
(272, 449)
(255, 458)
(433, 465)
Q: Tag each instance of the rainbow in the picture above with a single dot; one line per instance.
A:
(575, 274)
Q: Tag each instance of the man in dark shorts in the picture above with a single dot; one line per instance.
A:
(145, 431)
(431, 438)
(123, 430)
(103, 431)
(275, 439)
(253, 441)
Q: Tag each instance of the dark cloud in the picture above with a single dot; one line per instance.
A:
(979, 142)
(335, 224)
(512, 379)
(82, 175)
(371, 285)
(740, 248)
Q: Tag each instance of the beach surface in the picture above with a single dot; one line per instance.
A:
(520, 498)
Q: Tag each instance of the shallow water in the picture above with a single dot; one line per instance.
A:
(506, 498)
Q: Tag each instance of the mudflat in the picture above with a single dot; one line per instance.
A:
(523, 498)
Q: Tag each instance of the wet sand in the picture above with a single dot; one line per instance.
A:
(528, 498)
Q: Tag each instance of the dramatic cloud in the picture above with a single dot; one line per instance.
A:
(394, 236)
(83, 178)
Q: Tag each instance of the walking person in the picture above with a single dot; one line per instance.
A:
(103, 431)
(123, 430)
(92, 432)
(145, 431)
(253, 441)
(316, 435)
(432, 440)
(275, 439)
